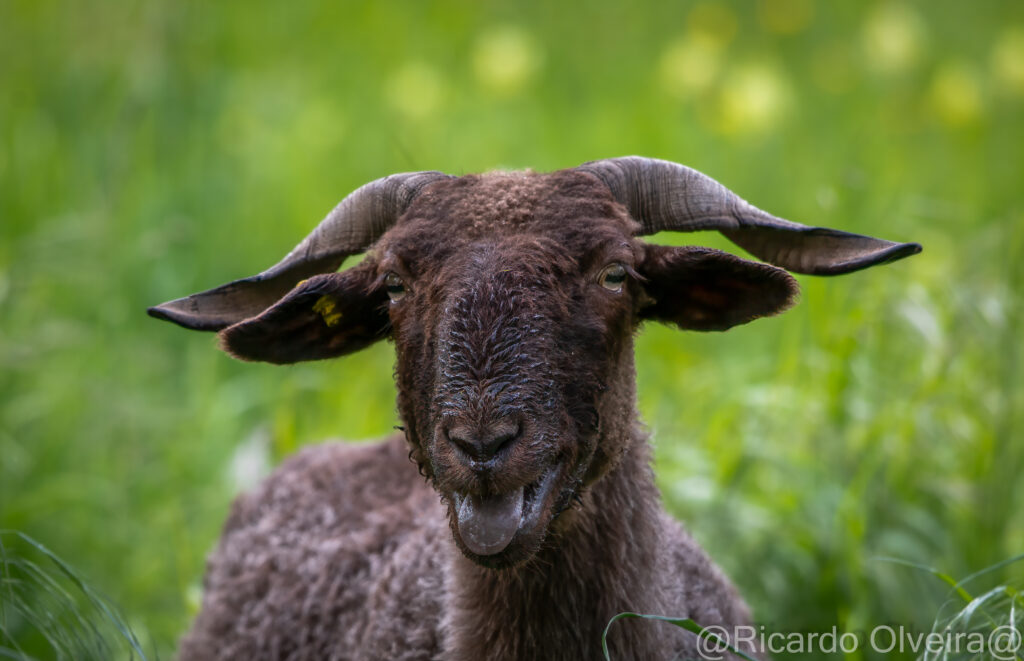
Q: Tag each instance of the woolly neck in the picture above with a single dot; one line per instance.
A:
(600, 558)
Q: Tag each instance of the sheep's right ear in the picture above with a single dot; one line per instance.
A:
(326, 316)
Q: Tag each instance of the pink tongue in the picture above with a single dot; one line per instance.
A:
(487, 525)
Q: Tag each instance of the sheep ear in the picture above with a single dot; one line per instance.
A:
(704, 289)
(326, 316)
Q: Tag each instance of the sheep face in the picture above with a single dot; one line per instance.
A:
(509, 327)
(512, 300)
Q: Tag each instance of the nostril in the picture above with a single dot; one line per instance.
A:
(500, 436)
(461, 438)
(485, 443)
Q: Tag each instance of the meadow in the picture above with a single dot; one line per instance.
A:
(152, 149)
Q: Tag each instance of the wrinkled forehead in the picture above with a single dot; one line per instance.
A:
(569, 209)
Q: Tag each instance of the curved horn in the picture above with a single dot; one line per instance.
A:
(662, 195)
(353, 225)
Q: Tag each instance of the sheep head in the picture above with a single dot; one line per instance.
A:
(512, 299)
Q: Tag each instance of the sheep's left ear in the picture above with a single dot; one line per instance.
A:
(704, 289)
(326, 316)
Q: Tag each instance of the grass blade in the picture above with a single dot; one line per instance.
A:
(682, 623)
(52, 599)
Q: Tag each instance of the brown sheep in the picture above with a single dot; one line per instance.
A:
(512, 300)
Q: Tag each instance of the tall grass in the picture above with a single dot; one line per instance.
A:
(976, 608)
(985, 626)
(47, 605)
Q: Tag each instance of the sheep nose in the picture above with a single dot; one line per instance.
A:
(481, 443)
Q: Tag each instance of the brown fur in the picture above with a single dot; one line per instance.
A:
(345, 553)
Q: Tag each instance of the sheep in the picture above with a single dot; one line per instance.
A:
(512, 299)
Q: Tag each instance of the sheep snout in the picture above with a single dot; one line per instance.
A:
(478, 446)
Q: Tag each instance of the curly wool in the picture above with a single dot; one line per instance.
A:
(345, 553)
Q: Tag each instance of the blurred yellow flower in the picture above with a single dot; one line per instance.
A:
(416, 90)
(893, 38)
(690, 65)
(955, 94)
(755, 97)
(505, 59)
(1008, 60)
(785, 16)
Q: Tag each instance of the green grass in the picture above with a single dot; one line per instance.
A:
(716, 642)
(57, 612)
(149, 150)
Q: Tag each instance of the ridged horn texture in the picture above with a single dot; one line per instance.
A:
(353, 225)
(662, 195)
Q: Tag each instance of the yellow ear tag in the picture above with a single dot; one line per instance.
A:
(328, 309)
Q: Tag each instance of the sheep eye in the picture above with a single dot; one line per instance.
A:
(395, 287)
(613, 277)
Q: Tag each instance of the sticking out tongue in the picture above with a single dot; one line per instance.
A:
(488, 523)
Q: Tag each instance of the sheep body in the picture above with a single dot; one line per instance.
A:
(337, 555)
(345, 553)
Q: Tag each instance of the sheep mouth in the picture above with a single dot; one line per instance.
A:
(488, 525)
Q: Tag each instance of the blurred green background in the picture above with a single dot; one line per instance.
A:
(150, 150)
